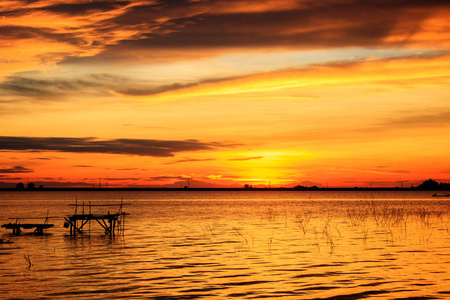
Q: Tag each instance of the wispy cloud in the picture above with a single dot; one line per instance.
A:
(168, 177)
(83, 8)
(47, 158)
(31, 85)
(82, 166)
(246, 158)
(25, 32)
(122, 179)
(375, 171)
(15, 169)
(34, 85)
(426, 67)
(422, 120)
(185, 160)
(141, 147)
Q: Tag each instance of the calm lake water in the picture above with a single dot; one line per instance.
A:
(222, 245)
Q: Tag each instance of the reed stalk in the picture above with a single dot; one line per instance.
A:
(28, 260)
(302, 222)
(242, 236)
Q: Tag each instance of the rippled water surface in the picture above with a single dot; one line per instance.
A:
(221, 245)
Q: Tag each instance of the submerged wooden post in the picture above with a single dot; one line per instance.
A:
(123, 222)
(90, 215)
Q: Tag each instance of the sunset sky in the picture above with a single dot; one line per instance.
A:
(337, 93)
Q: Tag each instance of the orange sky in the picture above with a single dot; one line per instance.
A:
(224, 93)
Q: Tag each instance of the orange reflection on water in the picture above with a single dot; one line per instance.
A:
(293, 245)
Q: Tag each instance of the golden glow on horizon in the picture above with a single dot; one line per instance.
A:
(264, 166)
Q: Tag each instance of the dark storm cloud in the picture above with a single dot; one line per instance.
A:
(15, 169)
(141, 147)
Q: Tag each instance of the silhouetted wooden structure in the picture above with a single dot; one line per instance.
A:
(38, 227)
(111, 222)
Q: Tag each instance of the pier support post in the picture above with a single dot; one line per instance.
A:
(109, 222)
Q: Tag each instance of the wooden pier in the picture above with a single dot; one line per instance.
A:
(38, 227)
(111, 222)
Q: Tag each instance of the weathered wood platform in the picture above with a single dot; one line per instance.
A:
(17, 227)
(38, 227)
(110, 222)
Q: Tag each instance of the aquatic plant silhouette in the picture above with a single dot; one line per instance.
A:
(28, 260)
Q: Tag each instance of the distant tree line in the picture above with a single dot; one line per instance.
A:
(30, 186)
(429, 184)
(305, 188)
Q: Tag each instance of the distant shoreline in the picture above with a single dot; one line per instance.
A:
(216, 189)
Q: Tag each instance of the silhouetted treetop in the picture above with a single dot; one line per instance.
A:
(431, 184)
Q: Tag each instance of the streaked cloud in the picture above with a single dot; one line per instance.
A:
(15, 169)
(246, 158)
(168, 177)
(422, 120)
(112, 31)
(186, 159)
(82, 8)
(27, 33)
(121, 179)
(82, 166)
(140, 147)
(32, 86)
(303, 24)
(48, 158)
(431, 66)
